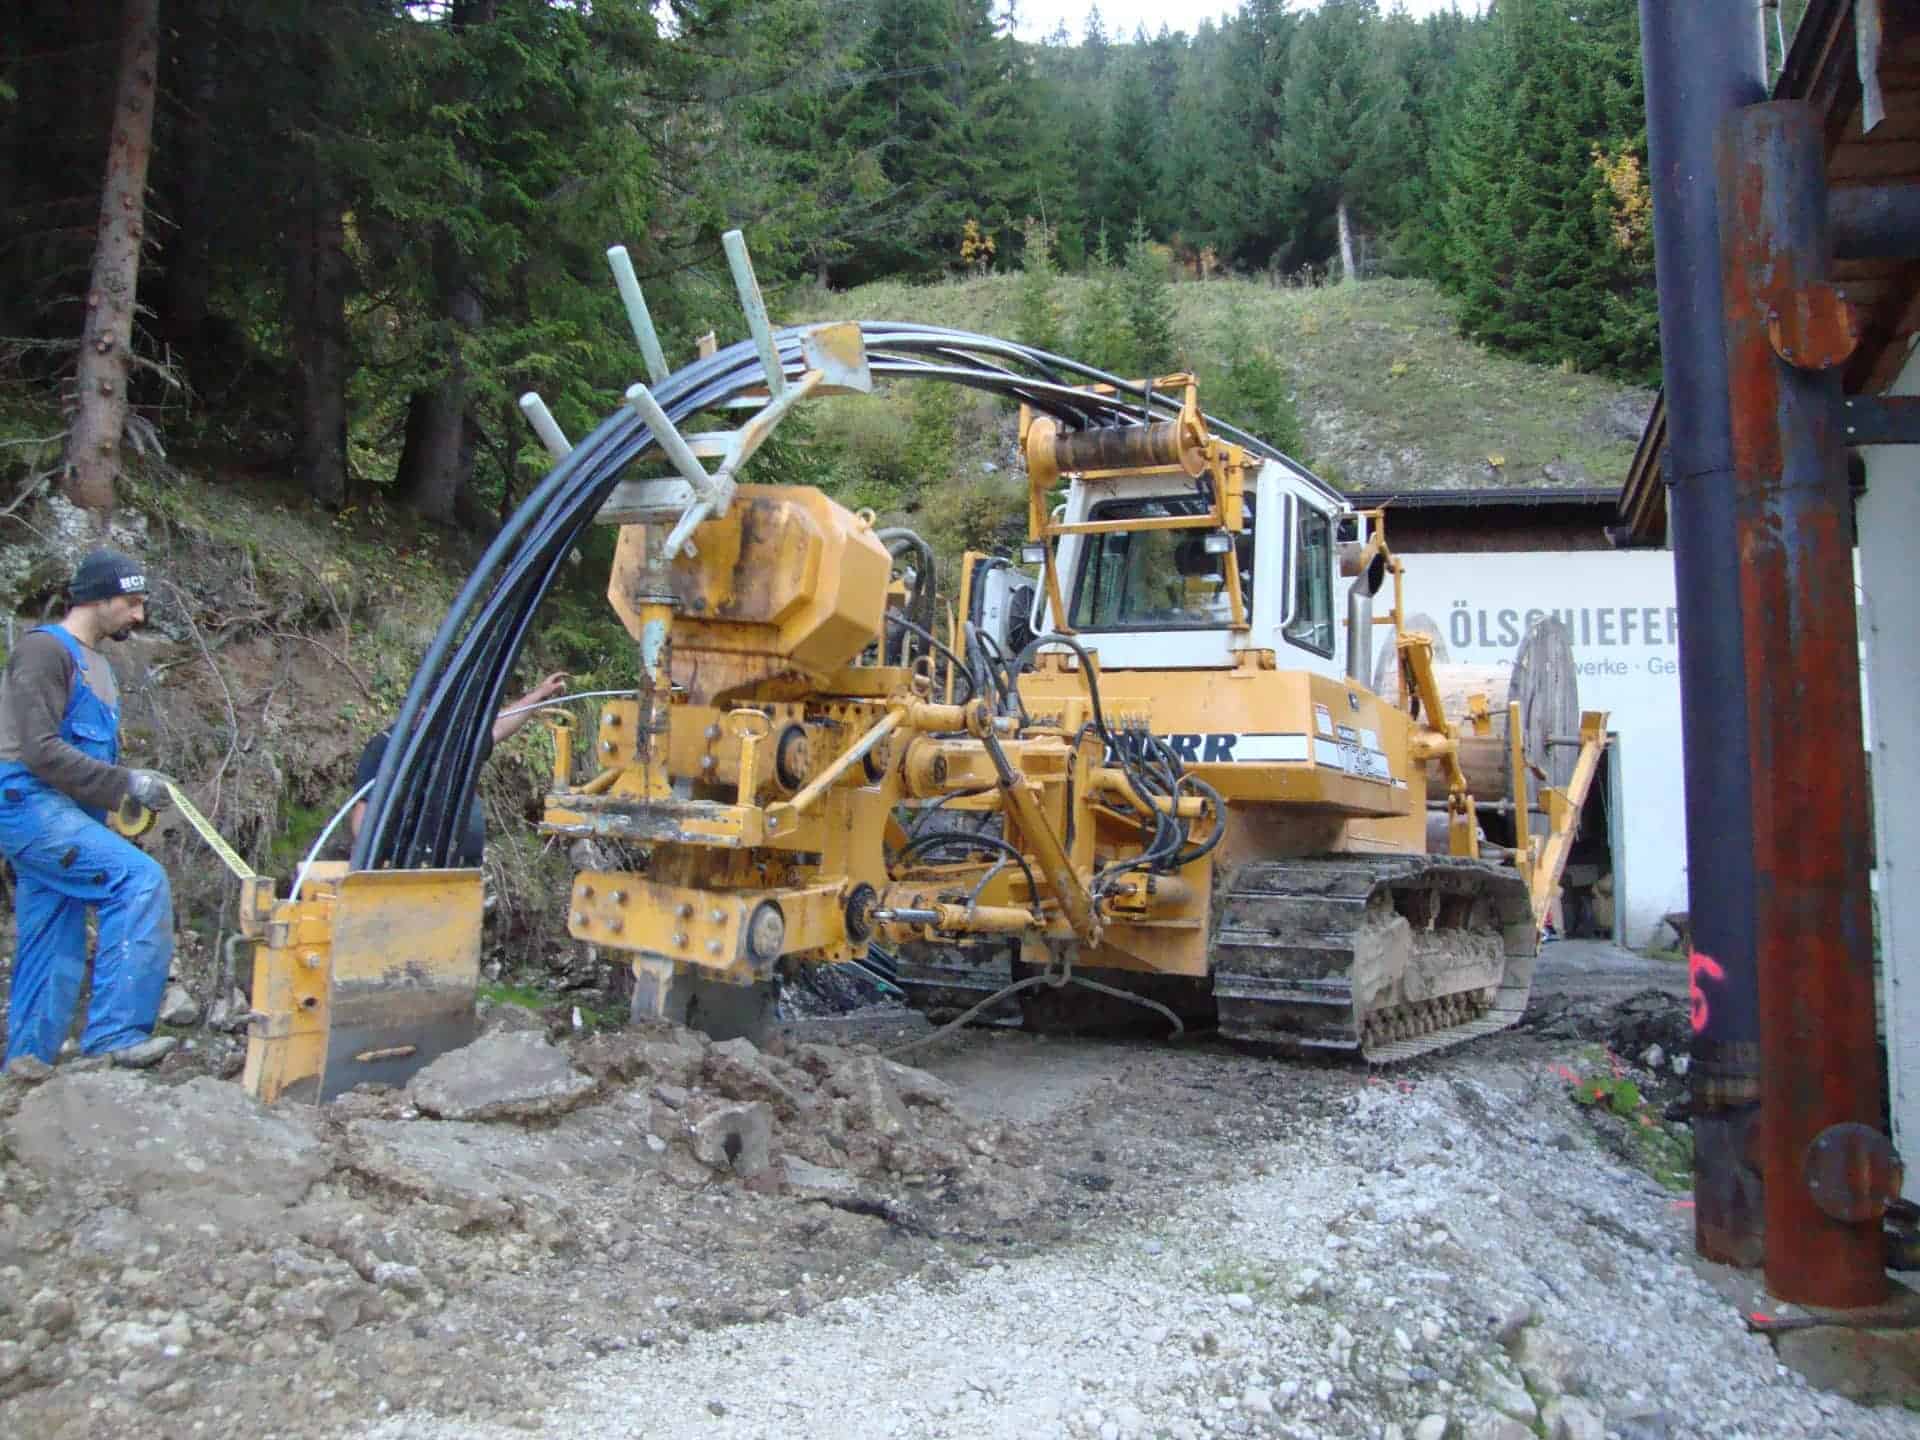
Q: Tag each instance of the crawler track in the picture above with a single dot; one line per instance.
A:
(1392, 957)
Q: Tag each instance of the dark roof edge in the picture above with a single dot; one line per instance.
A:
(1525, 496)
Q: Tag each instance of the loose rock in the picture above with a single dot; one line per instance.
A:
(508, 1075)
(736, 1138)
(1566, 1418)
(178, 1007)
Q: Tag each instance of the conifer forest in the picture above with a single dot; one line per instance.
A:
(350, 232)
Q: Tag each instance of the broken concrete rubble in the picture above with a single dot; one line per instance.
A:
(867, 1085)
(738, 1070)
(508, 1075)
(664, 1053)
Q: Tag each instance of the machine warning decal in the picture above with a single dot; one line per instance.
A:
(1352, 758)
(1323, 719)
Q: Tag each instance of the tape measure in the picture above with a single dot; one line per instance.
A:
(215, 841)
(130, 820)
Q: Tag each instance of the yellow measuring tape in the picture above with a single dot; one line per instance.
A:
(215, 841)
(133, 819)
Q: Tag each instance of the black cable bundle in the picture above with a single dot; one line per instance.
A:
(442, 734)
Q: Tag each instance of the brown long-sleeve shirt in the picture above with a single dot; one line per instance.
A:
(33, 699)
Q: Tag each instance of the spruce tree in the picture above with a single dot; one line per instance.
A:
(1149, 304)
(1542, 165)
(1252, 389)
(1101, 335)
(1133, 152)
(1039, 319)
(1341, 151)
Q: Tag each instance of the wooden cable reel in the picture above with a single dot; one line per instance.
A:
(1545, 682)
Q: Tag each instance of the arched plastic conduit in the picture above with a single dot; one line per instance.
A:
(427, 776)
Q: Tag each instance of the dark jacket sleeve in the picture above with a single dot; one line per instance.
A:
(39, 678)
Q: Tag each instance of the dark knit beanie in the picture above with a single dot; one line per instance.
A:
(105, 574)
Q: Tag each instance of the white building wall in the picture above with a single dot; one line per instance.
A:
(1889, 518)
(1619, 608)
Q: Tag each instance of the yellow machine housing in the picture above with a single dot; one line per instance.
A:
(770, 766)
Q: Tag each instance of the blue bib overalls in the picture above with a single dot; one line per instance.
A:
(64, 860)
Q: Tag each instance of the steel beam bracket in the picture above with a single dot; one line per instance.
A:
(1814, 327)
(1881, 419)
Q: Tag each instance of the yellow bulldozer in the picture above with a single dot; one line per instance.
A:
(1145, 769)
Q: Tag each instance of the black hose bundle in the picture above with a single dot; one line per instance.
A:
(921, 598)
(442, 734)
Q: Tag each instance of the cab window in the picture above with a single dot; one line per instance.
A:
(1312, 624)
(1157, 579)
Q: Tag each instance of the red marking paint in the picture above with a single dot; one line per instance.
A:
(1699, 966)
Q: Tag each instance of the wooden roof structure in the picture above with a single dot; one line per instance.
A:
(1849, 57)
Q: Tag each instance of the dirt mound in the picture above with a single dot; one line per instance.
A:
(181, 1252)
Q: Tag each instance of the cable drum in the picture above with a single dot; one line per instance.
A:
(1543, 677)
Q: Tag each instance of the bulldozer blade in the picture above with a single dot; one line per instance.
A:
(405, 974)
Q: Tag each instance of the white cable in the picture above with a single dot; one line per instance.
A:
(563, 700)
(341, 814)
(314, 854)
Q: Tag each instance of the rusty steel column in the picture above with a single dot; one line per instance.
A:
(1703, 61)
(1825, 1164)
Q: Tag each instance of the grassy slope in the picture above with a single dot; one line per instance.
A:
(1392, 397)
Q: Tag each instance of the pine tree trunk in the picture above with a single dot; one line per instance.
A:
(318, 278)
(436, 461)
(187, 258)
(1348, 273)
(93, 448)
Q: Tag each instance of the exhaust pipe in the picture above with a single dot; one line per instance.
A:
(1360, 619)
(1360, 633)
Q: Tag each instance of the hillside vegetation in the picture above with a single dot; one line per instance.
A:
(1387, 394)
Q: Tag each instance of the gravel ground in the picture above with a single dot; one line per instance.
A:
(1453, 1251)
(1029, 1236)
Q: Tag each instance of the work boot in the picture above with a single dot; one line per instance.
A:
(147, 1052)
(28, 1069)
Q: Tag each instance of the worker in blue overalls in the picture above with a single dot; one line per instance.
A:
(59, 776)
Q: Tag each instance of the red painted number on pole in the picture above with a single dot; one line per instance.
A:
(1699, 965)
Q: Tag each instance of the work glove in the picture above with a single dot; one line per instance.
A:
(149, 787)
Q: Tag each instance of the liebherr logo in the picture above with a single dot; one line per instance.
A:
(1213, 748)
(1228, 747)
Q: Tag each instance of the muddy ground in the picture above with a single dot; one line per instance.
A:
(531, 1218)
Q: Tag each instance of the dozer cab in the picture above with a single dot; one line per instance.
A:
(1146, 775)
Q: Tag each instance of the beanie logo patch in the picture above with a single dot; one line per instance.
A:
(132, 582)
